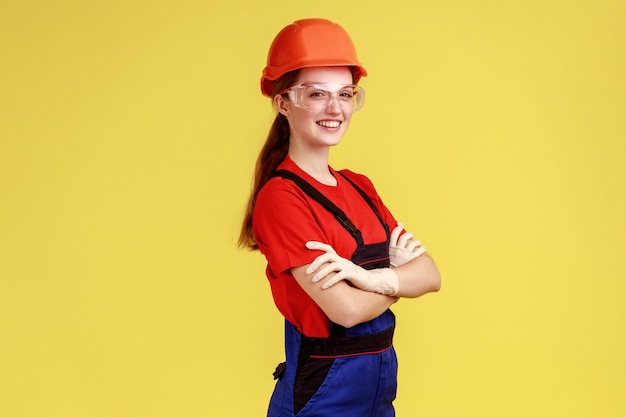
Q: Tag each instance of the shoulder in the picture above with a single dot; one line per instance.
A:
(359, 179)
(278, 186)
(277, 196)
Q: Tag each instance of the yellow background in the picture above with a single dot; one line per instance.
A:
(495, 130)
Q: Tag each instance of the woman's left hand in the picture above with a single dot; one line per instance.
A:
(402, 248)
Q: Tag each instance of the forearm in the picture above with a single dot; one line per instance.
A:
(418, 277)
(343, 304)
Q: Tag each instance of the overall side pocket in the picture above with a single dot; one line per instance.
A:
(309, 379)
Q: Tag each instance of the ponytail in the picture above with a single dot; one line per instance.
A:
(272, 154)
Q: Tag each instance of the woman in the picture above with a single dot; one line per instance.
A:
(333, 264)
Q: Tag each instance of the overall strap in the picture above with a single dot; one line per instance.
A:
(368, 200)
(325, 202)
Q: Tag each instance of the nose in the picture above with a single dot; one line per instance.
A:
(334, 106)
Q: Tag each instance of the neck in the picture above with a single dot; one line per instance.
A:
(314, 163)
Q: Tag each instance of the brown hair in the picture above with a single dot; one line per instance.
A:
(272, 154)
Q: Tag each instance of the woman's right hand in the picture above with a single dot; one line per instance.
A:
(381, 280)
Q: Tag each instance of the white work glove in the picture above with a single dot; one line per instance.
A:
(382, 280)
(403, 248)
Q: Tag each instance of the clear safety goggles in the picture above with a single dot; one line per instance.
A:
(318, 97)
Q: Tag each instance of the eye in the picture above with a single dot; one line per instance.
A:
(346, 94)
(318, 94)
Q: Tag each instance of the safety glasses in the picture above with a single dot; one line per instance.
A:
(317, 97)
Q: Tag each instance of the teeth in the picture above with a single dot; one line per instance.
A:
(328, 123)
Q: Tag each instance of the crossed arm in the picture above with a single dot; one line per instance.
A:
(324, 280)
(342, 303)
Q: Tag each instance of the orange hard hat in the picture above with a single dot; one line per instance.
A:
(309, 43)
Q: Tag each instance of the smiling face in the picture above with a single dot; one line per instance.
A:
(325, 126)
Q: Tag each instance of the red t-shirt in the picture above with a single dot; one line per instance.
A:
(285, 218)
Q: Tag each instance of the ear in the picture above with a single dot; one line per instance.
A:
(282, 105)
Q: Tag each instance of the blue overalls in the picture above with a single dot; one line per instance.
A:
(353, 373)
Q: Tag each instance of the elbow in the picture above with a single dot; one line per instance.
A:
(347, 323)
(425, 278)
(433, 277)
(432, 283)
(436, 284)
(347, 317)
